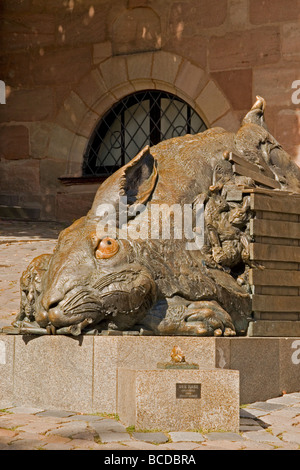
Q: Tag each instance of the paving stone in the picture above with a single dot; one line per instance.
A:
(26, 443)
(223, 436)
(70, 429)
(7, 433)
(82, 444)
(252, 413)
(56, 413)
(87, 418)
(114, 436)
(265, 406)
(289, 412)
(262, 436)
(141, 445)
(245, 428)
(155, 437)
(248, 422)
(25, 410)
(222, 445)
(58, 446)
(179, 446)
(40, 426)
(293, 437)
(108, 425)
(284, 400)
(186, 436)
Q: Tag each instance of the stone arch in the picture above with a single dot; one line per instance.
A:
(122, 75)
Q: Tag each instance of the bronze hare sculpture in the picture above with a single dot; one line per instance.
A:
(114, 271)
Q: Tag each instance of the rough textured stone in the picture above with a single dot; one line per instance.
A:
(101, 51)
(265, 379)
(237, 86)
(154, 437)
(91, 88)
(165, 66)
(72, 112)
(212, 102)
(84, 27)
(136, 30)
(114, 437)
(273, 11)
(244, 49)
(188, 436)
(91, 365)
(50, 385)
(193, 48)
(275, 85)
(262, 436)
(147, 399)
(70, 207)
(224, 436)
(61, 65)
(105, 375)
(25, 105)
(14, 142)
(6, 371)
(114, 71)
(139, 66)
(198, 15)
(26, 31)
(22, 176)
(190, 78)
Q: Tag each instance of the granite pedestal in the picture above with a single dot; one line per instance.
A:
(179, 400)
(61, 372)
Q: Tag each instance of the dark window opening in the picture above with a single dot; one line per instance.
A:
(144, 118)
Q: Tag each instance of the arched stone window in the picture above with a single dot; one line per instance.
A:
(145, 117)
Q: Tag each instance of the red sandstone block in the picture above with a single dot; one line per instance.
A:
(21, 176)
(61, 65)
(187, 18)
(237, 86)
(272, 11)
(87, 27)
(14, 142)
(191, 48)
(288, 130)
(244, 49)
(26, 30)
(28, 105)
(70, 207)
(291, 41)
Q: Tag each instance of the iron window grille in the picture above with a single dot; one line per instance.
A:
(146, 117)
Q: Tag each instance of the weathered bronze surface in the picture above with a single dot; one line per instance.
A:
(99, 280)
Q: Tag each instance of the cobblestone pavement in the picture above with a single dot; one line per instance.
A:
(270, 425)
(274, 424)
(20, 242)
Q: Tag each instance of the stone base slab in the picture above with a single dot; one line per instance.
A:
(265, 328)
(81, 373)
(179, 400)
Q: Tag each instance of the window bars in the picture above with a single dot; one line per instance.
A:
(146, 117)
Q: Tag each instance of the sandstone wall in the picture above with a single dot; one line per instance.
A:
(66, 62)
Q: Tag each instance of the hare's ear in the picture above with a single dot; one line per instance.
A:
(130, 186)
(138, 178)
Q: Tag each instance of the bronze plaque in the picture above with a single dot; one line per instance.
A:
(188, 390)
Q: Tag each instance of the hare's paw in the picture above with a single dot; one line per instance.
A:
(207, 318)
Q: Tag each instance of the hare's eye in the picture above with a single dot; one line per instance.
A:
(107, 247)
